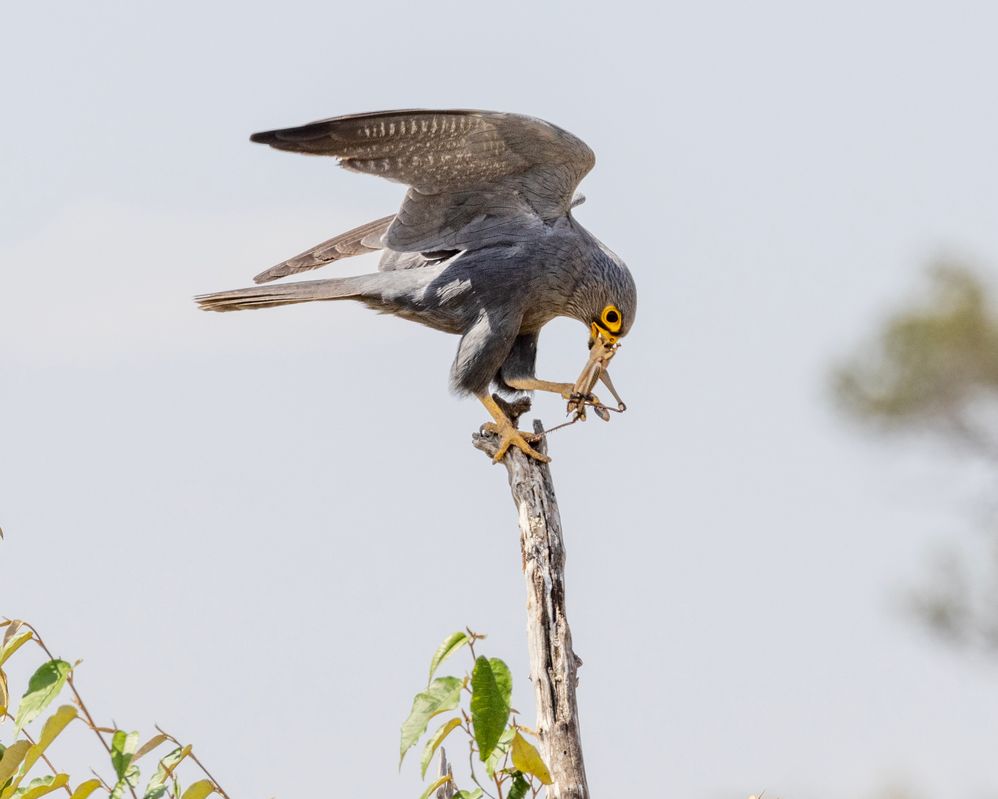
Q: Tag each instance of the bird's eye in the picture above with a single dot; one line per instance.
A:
(611, 318)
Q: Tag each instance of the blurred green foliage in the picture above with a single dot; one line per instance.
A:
(933, 367)
(931, 362)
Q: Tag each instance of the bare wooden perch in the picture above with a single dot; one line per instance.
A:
(445, 791)
(553, 664)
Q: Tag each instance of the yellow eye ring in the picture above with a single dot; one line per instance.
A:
(611, 318)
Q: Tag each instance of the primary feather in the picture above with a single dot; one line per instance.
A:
(477, 177)
(360, 240)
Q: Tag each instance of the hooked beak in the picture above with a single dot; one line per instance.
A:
(597, 332)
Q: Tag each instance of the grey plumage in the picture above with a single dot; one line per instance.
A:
(483, 246)
(360, 240)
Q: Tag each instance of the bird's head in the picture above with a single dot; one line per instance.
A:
(609, 303)
(612, 301)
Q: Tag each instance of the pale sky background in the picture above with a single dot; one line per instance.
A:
(256, 527)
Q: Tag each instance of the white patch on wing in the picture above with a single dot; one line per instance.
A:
(453, 289)
(474, 340)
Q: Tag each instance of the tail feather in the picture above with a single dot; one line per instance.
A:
(360, 240)
(288, 294)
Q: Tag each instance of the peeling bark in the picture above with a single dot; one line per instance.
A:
(553, 664)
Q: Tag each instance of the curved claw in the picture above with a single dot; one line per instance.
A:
(510, 436)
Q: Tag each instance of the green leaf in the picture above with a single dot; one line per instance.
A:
(443, 694)
(84, 789)
(157, 785)
(475, 794)
(451, 644)
(496, 758)
(13, 644)
(519, 787)
(528, 760)
(122, 750)
(434, 743)
(54, 725)
(504, 680)
(44, 785)
(43, 687)
(441, 782)
(130, 779)
(199, 790)
(489, 708)
(12, 757)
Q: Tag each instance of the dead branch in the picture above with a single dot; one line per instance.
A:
(553, 664)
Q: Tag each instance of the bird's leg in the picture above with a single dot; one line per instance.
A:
(569, 392)
(508, 433)
(566, 390)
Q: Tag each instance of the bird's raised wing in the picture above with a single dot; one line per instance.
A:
(476, 177)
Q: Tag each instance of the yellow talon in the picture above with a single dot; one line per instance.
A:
(508, 433)
(518, 438)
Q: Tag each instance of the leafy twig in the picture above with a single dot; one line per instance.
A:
(100, 779)
(471, 768)
(32, 741)
(79, 700)
(199, 764)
